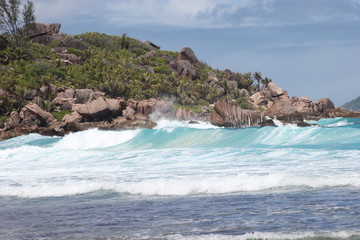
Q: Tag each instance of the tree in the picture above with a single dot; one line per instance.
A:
(14, 22)
(258, 78)
(265, 81)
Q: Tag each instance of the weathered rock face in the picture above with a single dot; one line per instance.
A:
(136, 121)
(275, 90)
(259, 99)
(244, 93)
(188, 54)
(46, 33)
(303, 105)
(284, 111)
(322, 105)
(45, 29)
(33, 115)
(151, 44)
(100, 109)
(184, 68)
(227, 114)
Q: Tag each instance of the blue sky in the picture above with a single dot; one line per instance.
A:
(308, 47)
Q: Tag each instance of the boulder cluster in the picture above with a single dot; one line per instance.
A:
(87, 109)
(275, 104)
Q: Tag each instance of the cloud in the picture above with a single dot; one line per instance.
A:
(200, 13)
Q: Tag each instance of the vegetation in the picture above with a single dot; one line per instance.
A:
(353, 105)
(115, 65)
(14, 23)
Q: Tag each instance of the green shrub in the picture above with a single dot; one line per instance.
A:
(60, 114)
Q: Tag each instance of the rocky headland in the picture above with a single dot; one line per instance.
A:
(226, 98)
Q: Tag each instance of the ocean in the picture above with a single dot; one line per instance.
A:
(184, 181)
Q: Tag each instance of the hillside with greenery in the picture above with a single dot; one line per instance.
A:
(119, 66)
(353, 105)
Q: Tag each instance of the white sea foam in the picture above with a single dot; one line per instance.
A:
(171, 124)
(176, 187)
(270, 236)
(339, 124)
(95, 138)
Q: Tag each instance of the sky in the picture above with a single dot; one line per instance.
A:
(308, 47)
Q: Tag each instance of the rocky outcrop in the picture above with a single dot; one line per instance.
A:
(303, 105)
(322, 105)
(151, 44)
(33, 115)
(284, 111)
(188, 54)
(100, 109)
(228, 114)
(273, 89)
(46, 33)
(138, 120)
(184, 68)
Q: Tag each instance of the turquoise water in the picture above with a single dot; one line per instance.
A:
(183, 181)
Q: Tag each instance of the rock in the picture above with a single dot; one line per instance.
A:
(136, 121)
(128, 112)
(185, 115)
(59, 50)
(70, 58)
(146, 56)
(132, 103)
(44, 29)
(232, 84)
(212, 77)
(184, 68)
(285, 112)
(303, 105)
(47, 91)
(228, 114)
(15, 120)
(33, 115)
(153, 106)
(259, 99)
(74, 116)
(73, 126)
(95, 110)
(188, 54)
(274, 89)
(322, 105)
(244, 93)
(65, 93)
(70, 42)
(63, 103)
(30, 95)
(115, 106)
(82, 95)
(267, 123)
(151, 44)
(193, 122)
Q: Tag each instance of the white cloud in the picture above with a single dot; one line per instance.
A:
(199, 13)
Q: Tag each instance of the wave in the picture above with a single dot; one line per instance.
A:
(95, 138)
(345, 235)
(241, 183)
(335, 133)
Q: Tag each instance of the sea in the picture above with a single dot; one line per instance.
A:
(184, 181)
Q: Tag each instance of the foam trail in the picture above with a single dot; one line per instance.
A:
(175, 186)
(271, 236)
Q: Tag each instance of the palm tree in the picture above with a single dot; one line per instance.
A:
(258, 78)
(265, 81)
